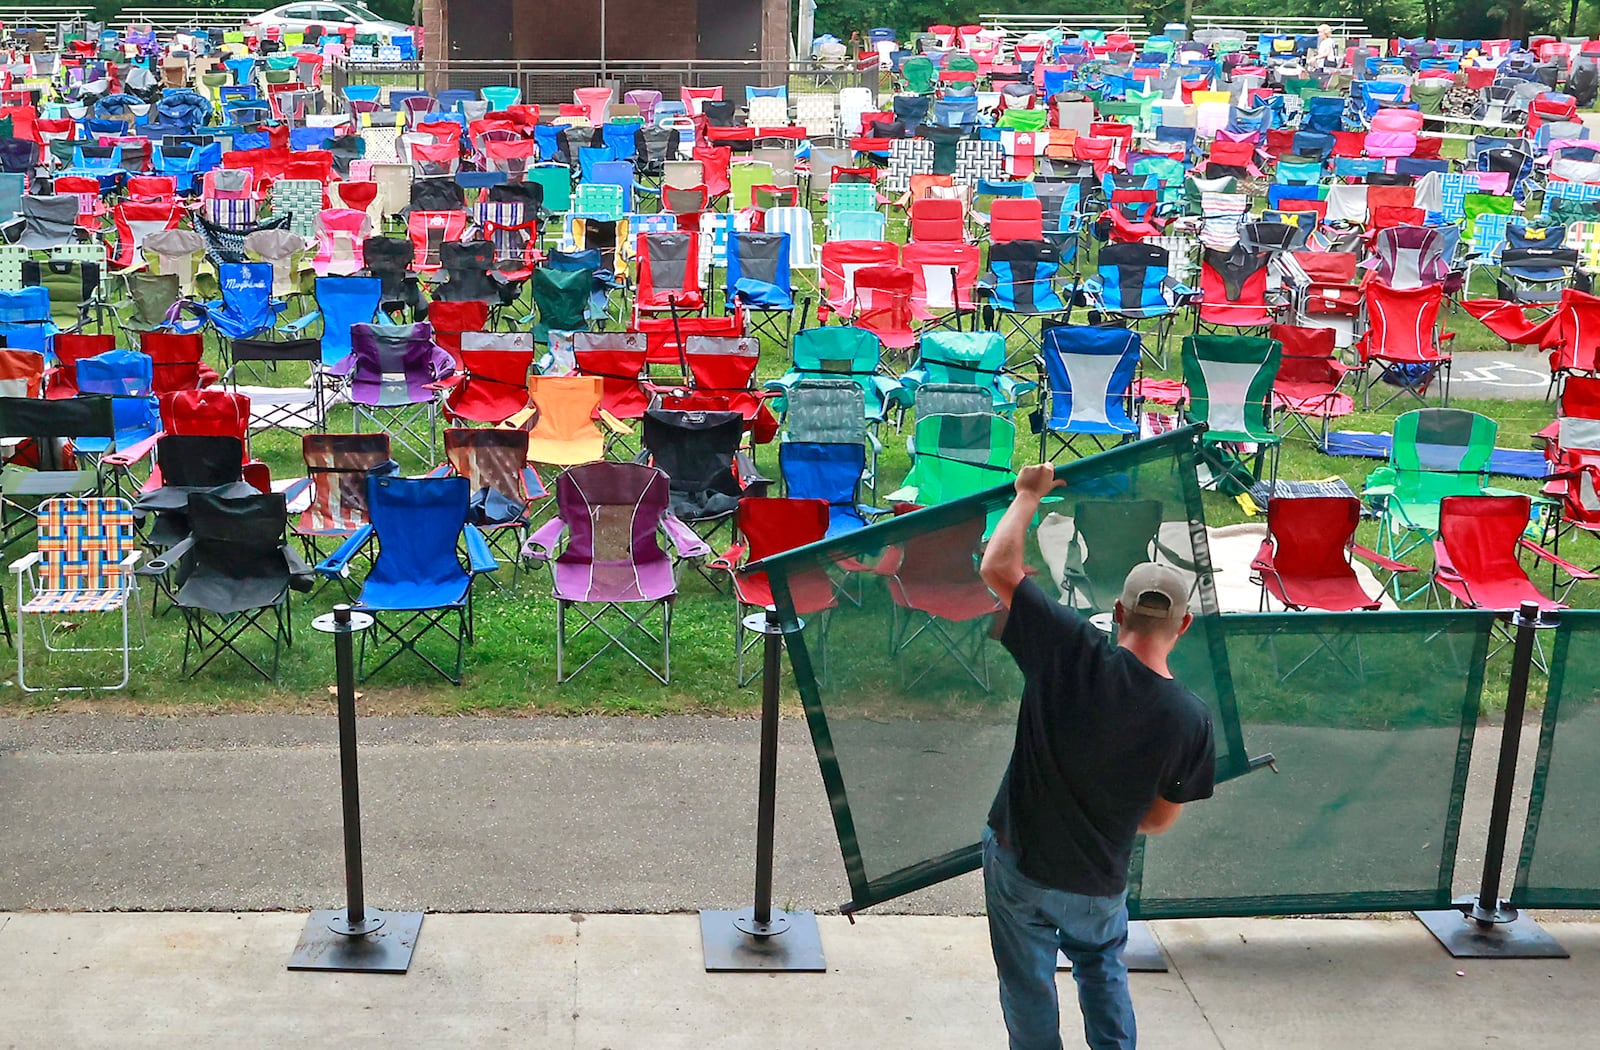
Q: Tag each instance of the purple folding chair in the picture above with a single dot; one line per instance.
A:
(610, 513)
(395, 371)
(647, 100)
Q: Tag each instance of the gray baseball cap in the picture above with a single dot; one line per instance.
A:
(1151, 579)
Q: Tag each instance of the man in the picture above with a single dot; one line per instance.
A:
(1108, 746)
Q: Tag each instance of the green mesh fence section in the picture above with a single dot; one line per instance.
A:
(1370, 719)
(1560, 862)
(911, 700)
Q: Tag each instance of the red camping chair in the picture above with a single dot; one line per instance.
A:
(1402, 332)
(151, 189)
(618, 358)
(430, 229)
(1016, 219)
(669, 273)
(665, 336)
(937, 593)
(489, 386)
(450, 318)
(716, 163)
(177, 358)
(1309, 376)
(883, 304)
(840, 262)
(1233, 289)
(21, 373)
(136, 220)
(71, 347)
(725, 368)
(768, 526)
(1333, 290)
(938, 219)
(1475, 555)
(944, 278)
(1305, 560)
(1573, 450)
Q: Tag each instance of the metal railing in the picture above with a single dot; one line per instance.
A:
(1021, 25)
(1251, 25)
(172, 19)
(549, 83)
(43, 17)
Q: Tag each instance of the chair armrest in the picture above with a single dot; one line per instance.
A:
(24, 563)
(299, 324)
(1387, 564)
(301, 576)
(1555, 559)
(729, 559)
(342, 367)
(338, 563)
(532, 484)
(685, 541)
(542, 544)
(169, 557)
(295, 488)
(129, 562)
(518, 421)
(479, 557)
(441, 471)
(133, 453)
(613, 424)
(745, 471)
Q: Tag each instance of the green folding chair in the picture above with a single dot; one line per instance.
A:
(953, 456)
(920, 75)
(1436, 452)
(1229, 379)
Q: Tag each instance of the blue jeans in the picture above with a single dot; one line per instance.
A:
(1027, 923)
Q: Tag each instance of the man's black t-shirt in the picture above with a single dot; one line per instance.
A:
(1099, 737)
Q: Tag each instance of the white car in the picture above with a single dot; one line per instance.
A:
(293, 18)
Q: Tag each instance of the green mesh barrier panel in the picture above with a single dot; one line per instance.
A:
(1370, 718)
(911, 700)
(1560, 863)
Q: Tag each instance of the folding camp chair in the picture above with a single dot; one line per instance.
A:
(1305, 560)
(1229, 382)
(1475, 557)
(1086, 389)
(394, 374)
(1436, 452)
(710, 474)
(669, 274)
(504, 487)
(612, 561)
(957, 455)
(839, 353)
(766, 527)
(1021, 285)
(569, 426)
(47, 463)
(882, 304)
(417, 583)
(840, 261)
(975, 359)
(85, 560)
(938, 594)
(337, 466)
(1403, 342)
(490, 385)
(292, 409)
(1134, 284)
(758, 279)
(1308, 381)
(1234, 289)
(236, 575)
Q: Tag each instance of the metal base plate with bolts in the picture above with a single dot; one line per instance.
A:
(732, 942)
(329, 942)
(1143, 954)
(1512, 936)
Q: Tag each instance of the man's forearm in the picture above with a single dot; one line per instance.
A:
(1003, 557)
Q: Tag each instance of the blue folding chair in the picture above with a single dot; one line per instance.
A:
(342, 301)
(759, 279)
(418, 583)
(1090, 373)
(828, 471)
(1134, 283)
(128, 378)
(25, 319)
(247, 306)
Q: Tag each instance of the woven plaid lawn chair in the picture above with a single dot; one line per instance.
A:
(84, 564)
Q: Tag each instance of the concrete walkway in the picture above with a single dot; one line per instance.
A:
(619, 982)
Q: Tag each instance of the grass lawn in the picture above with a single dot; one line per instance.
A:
(511, 668)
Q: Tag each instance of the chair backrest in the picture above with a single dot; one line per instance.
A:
(958, 455)
(1480, 534)
(1443, 440)
(1401, 322)
(418, 521)
(337, 465)
(1310, 535)
(489, 457)
(612, 512)
(1230, 383)
(1091, 371)
(773, 525)
(567, 405)
(81, 541)
(1112, 537)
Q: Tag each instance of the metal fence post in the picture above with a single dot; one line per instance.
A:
(1485, 926)
(761, 937)
(354, 938)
